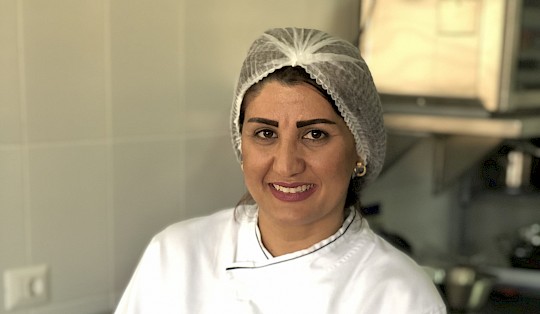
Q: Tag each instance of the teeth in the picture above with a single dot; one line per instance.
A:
(298, 189)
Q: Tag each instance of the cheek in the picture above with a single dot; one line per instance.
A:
(254, 173)
(350, 157)
(340, 169)
(338, 162)
(253, 162)
(247, 153)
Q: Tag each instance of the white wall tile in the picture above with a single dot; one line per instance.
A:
(337, 17)
(12, 217)
(69, 218)
(173, 68)
(10, 131)
(218, 35)
(95, 304)
(64, 60)
(148, 185)
(146, 90)
(214, 179)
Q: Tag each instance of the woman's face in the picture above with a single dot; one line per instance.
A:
(298, 156)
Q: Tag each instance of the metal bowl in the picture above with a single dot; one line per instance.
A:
(467, 289)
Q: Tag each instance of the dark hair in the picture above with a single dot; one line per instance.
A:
(293, 76)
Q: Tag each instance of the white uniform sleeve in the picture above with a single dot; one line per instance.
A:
(143, 293)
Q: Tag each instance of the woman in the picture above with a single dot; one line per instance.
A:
(307, 128)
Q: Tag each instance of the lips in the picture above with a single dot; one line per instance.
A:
(288, 192)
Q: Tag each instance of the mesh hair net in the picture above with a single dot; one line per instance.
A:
(334, 64)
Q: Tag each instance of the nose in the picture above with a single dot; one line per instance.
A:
(288, 159)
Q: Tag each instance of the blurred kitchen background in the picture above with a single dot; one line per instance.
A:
(114, 124)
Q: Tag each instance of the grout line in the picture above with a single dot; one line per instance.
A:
(93, 303)
(107, 54)
(109, 140)
(103, 141)
(27, 204)
(182, 98)
(60, 144)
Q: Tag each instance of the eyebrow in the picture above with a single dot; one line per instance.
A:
(299, 124)
(264, 121)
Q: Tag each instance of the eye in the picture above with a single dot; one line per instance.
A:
(315, 135)
(266, 134)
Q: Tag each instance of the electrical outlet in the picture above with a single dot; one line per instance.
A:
(25, 287)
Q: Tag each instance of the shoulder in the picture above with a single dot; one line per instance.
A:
(394, 276)
(403, 279)
(218, 218)
(166, 269)
(198, 231)
(189, 243)
(390, 261)
(382, 259)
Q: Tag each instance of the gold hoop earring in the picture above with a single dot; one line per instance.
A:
(360, 170)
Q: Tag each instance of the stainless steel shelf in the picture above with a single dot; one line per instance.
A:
(517, 277)
(509, 128)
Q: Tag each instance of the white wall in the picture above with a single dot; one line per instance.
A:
(408, 205)
(457, 220)
(114, 124)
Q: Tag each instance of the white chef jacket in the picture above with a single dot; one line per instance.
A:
(217, 264)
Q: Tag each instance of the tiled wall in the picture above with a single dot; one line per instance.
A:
(114, 124)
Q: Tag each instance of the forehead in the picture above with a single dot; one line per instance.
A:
(278, 99)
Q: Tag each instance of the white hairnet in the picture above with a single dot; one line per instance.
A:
(334, 64)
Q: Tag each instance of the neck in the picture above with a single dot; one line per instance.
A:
(281, 238)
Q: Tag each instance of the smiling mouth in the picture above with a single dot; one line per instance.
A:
(293, 190)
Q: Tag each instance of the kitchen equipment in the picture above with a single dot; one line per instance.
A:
(515, 167)
(464, 288)
(465, 72)
(454, 54)
(526, 250)
(467, 289)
